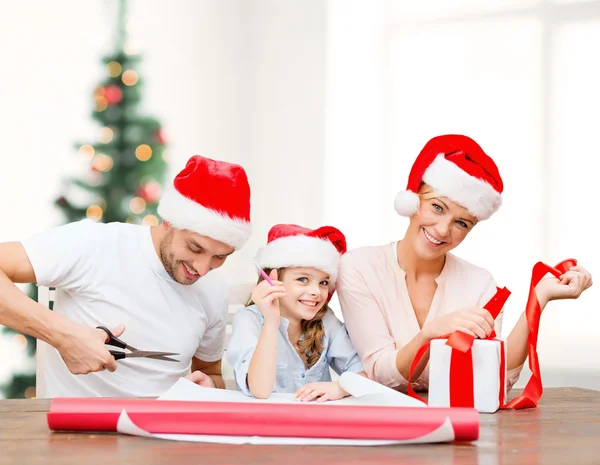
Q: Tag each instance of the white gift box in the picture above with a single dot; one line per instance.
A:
(486, 374)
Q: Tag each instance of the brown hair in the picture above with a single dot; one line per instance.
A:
(313, 330)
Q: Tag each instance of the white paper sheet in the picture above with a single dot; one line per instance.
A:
(363, 392)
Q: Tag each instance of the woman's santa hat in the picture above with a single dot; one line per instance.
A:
(211, 198)
(456, 167)
(289, 245)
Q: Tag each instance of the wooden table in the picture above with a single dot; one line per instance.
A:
(564, 430)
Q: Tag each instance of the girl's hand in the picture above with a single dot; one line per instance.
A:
(477, 322)
(265, 297)
(321, 392)
(570, 285)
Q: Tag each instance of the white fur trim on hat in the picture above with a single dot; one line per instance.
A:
(300, 250)
(449, 180)
(184, 213)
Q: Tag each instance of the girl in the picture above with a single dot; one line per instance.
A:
(286, 339)
(398, 296)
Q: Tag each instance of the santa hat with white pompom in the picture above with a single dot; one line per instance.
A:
(456, 167)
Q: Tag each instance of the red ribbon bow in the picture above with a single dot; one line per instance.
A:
(461, 362)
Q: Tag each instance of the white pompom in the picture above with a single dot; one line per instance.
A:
(407, 203)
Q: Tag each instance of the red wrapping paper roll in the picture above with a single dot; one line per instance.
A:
(261, 419)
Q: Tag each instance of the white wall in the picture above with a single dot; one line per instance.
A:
(283, 117)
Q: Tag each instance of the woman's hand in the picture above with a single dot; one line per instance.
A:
(570, 285)
(265, 297)
(322, 392)
(477, 322)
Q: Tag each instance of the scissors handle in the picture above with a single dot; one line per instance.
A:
(112, 339)
(117, 355)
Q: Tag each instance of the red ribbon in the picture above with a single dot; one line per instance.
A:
(533, 391)
(461, 379)
(461, 361)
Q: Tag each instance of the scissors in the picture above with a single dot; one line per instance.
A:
(118, 355)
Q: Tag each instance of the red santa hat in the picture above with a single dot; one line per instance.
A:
(211, 198)
(289, 245)
(456, 167)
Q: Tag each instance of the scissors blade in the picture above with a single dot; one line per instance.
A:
(150, 354)
(162, 357)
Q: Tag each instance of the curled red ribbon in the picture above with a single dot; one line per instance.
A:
(534, 389)
(461, 362)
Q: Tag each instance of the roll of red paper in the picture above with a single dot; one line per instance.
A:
(261, 419)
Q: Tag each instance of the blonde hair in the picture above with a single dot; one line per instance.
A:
(312, 330)
(426, 192)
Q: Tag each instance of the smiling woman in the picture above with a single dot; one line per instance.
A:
(397, 297)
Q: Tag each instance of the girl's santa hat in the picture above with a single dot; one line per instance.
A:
(211, 198)
(456, 167)
(289, 245)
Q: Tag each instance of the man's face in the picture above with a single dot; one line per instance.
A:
(187, 256)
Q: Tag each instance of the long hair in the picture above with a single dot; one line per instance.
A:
(312, 330)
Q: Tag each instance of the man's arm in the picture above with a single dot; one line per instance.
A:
(19, 312)
(82, 348)
(212, 369)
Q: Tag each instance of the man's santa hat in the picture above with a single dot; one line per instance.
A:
(290, 245)
(456, 167)
(211, 198)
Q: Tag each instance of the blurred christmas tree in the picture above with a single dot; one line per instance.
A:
(127, 164)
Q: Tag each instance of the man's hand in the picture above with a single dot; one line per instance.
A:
(83, 351)
(212, 369)
(201, 379)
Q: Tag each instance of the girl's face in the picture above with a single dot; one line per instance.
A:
(439, 226)
(307, 292)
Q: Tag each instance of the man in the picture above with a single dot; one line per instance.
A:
(153, 285)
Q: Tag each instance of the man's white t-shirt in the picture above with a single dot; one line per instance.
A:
(110, 274)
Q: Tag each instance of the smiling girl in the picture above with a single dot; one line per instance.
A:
(287, 338)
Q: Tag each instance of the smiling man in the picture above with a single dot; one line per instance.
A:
(155, 286)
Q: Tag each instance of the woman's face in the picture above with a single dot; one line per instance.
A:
(439, 226)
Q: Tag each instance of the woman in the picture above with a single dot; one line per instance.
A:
(397, 297)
